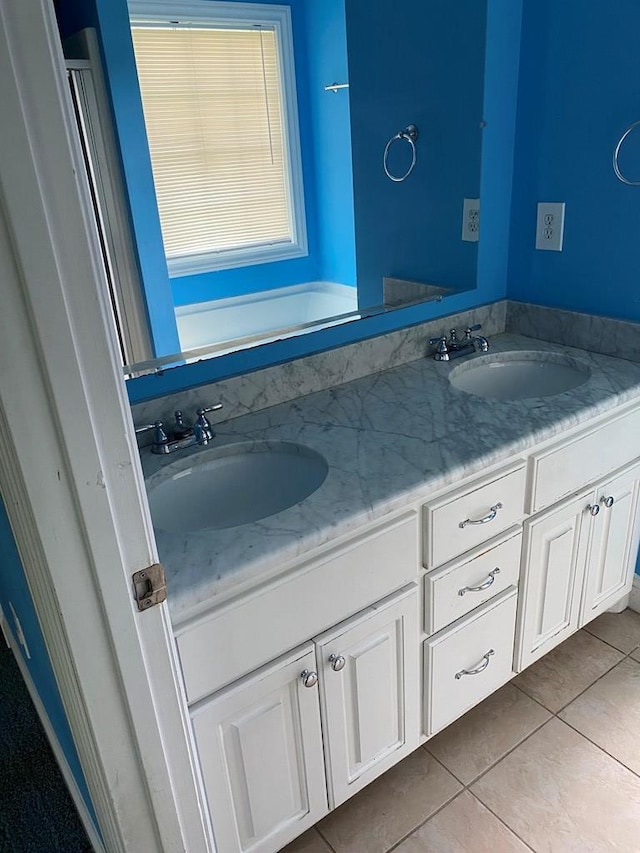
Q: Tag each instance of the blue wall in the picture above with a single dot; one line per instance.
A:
(428, 71)
(326, 52)
(14, 589)
(111, 20)
(501, 76)
(110, 17)
(579, 90)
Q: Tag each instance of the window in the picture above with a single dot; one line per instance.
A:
(218, 92)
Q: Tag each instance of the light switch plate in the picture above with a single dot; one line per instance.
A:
(471, 220)
(550, 226)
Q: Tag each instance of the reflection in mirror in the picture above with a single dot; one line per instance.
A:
(344, 238)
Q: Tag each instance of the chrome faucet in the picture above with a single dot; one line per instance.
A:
(183, 435)
(479, 342)
(453, 347)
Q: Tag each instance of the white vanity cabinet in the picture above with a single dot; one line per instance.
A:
(386, 653)
(578, 561)
(553, 558)
(615, 532)
(370, 691)
(348, 701)
(259, 746)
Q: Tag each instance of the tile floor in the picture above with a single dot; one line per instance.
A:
(551, 762)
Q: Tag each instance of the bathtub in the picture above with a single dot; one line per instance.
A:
(259, 314)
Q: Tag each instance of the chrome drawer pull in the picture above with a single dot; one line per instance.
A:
(489, 517)
(478, 669)
(490, 580)
(608, 502)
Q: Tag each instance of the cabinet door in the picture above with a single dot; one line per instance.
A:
(554, 554)
(614, 544)
(260, 750)
(370, 689)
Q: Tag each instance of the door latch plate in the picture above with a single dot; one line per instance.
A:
(149, 587)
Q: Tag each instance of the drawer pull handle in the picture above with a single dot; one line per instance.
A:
(337, 662)
(608, 502)
(480, 668)
(309, 678)
(593, 509)
(489, 581)
(489, 517)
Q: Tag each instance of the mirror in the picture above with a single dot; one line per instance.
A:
(366, 70)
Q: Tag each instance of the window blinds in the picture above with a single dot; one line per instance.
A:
(213, 110)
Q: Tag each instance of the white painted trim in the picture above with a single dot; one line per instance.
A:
(58, 752)
(634, 599)
(69, 468)
(109, 183)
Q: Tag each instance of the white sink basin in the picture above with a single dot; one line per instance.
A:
(233, 485)
(519, 375)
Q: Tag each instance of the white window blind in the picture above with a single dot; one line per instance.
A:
(213, 107)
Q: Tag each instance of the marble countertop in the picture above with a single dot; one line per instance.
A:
(390, 439)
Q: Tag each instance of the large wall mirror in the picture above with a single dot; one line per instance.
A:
(340, 176)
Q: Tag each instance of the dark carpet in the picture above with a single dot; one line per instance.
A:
(37, 814)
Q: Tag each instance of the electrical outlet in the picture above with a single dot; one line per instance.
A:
(550, 226)
(471, 220)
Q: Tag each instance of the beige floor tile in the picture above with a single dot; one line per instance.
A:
(636, 655)
(464, 826)
(565, 672)
(621, 630)
(473, 743)
(310, 842)
(562, 794)
(609, 713)
(391, 807)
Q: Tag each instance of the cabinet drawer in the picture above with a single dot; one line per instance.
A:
(465, 518)
(468, 661)
(257, 628)
(459, 587)
(565, 468)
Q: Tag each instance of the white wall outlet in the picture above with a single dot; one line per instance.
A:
(550, 225)
(471, 220)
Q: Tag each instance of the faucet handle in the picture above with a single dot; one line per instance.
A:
(202, 428)
(442, 351)
(215, 408)
(159, 436)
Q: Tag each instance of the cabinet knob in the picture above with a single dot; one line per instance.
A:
(337, 662)
(309, 678)
(593, 509)
(608, 501)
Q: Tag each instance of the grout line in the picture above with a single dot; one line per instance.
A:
(503, 822)
(333, 850)
(467, 786)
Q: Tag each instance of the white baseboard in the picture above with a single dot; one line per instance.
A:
(69, 778)
(634, 600)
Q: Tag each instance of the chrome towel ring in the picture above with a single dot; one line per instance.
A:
(616, 156)
(410, 134)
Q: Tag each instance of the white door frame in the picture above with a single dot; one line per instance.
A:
(69, 468)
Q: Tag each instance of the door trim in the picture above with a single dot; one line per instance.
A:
(70, 472)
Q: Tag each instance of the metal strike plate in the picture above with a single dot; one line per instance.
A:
(149, 587)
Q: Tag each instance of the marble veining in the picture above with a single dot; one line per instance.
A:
(618, 338)
(390, 440)
(264, 388)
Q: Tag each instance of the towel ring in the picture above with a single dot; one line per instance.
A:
(410, 134)
(616, 155)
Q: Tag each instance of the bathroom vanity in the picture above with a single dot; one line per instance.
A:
(455, 540)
